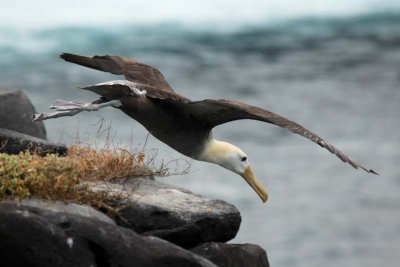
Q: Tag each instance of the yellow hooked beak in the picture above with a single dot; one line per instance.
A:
(252, 180)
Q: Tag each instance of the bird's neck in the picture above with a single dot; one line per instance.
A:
(215, 151)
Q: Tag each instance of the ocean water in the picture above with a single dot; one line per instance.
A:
(335, 70)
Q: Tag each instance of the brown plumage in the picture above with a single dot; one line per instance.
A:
(209, 112)
(132, 70)
(179, 122)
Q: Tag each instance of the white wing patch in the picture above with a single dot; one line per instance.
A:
(132, 85)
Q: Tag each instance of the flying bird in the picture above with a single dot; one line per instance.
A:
(179, 122)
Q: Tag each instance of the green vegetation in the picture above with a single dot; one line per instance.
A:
(49, 177)
(63, 178)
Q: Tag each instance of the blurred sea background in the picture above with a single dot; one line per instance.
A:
(332, 66)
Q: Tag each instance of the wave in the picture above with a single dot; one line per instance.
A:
(380, 29)
(221, 14)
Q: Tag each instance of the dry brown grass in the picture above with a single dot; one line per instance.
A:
(105, 164)
(63, 178)
(103, 159)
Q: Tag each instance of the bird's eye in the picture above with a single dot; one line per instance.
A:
(244, 158)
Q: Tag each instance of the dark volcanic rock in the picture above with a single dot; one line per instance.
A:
(233, 255)
(62, 207)
(174, 214)
(16, 114)
(13, 142)
(36, 237)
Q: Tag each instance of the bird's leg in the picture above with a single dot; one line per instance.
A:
(62, 105)
(70, 108)
(45, 116)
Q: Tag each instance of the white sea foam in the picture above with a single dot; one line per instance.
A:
(215, 13)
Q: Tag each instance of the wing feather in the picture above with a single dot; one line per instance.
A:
(216, 112)
(120, 88)
(132, 70)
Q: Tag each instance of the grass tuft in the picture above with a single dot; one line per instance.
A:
(66, 178)
(106, 164)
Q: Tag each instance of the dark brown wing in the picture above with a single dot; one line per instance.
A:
(132, 70)
(118, 89)
(216, 112)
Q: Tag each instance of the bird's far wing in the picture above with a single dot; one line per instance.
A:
(132, 70)
(113, 90)
(216, 112)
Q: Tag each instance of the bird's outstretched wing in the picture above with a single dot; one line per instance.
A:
(113, 90)
(216, 112)
(132, 70)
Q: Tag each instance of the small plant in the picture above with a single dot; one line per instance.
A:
(66, 178)
(49, 177)
(70, 178)
(106, 164)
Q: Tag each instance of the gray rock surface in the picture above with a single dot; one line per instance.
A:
(174, 214)
(233, 255)
(16, 114)
(62, 207)
(12, 142)
(37, 237)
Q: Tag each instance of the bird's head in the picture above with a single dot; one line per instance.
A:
(234, 159)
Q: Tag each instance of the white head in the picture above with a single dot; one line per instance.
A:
(234, 159)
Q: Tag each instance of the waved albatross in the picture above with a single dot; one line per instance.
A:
(179, 122)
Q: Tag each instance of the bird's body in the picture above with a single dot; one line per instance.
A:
(179, 122)
(170, 119)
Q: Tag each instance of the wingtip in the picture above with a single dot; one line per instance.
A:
(68, 56)
(64, 55)
(84, 87)
(372, 171)
(369, 170)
